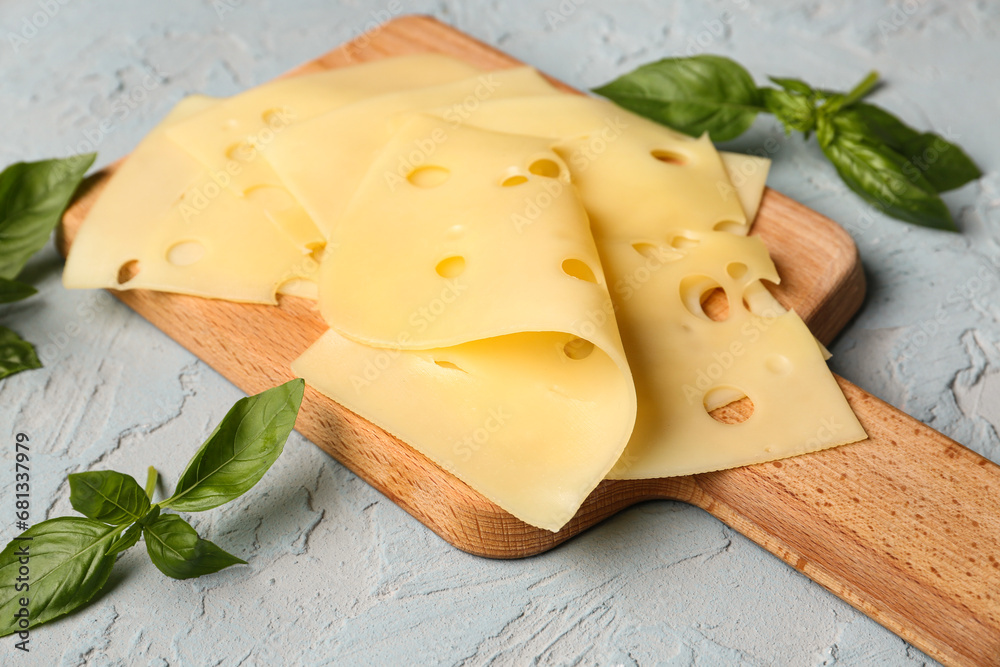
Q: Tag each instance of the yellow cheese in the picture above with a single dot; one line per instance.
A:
(455, 329)
(635, 177)
(322, 161)
(687, 364)
(230, 137)
(670, 227)
(145, 230)
(748, 175)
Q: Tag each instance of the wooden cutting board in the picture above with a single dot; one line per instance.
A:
(905, 526)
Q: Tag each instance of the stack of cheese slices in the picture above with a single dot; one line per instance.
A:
(514, 277)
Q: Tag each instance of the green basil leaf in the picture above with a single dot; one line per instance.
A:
(16, 354)
(878, 174)
(177, 551)
(127, 540)
(108, 496)
(240, 450)
(942, 163)
(67, 563)
(11, 290)
(795, 111)
(33, 196)
(694, 95)
(793, 85)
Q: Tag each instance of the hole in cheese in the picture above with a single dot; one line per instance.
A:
(428, 177)
(680, 242)
(185, 253)
(647, 250)
(736, 270)
(578, 269)
(778, 364)
(669, 157)
(511, 181)
(545, 167)
(451, 267)
(278, 117)
(730, 226)
(241, 152)
(697, 292)
(760, 302)
(728, 405)
(128, 271)
(443, 363)
(578, 349)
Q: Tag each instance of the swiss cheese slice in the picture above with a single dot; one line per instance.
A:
(145, 232)
(634, 176)
(230, 138)
(688, 363)
(455, 329)
(322, 161)
(670, 228)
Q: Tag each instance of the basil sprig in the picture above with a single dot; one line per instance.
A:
(893, 167)
(33, 196)
(68, 560)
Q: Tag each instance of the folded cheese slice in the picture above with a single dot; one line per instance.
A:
(230, 138)
(322, 161)
(163, 222)
(456, 329)
(669, 225)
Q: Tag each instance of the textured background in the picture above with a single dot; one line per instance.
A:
(337, 573)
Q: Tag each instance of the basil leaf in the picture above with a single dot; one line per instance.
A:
(942, 163)
(68, 563)
(108, 496)
(177, 551)
(11, 290)
(127, 540)
(694, 95)
(16, 354)
(878, 174)
(795, 111)
(793, 85)
(33, 196)
(240, 450)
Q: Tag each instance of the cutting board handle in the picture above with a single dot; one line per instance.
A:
(905, 526)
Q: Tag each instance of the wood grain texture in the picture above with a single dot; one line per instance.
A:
(905, 526)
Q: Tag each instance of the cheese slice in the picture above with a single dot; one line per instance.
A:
(322, 161)
(748, 176)
(229, 138)
(458, 331)
(635, 177)
(687, 364)
(163, 222)
(670, 224)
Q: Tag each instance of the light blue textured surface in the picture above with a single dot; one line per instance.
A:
(337, 573)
